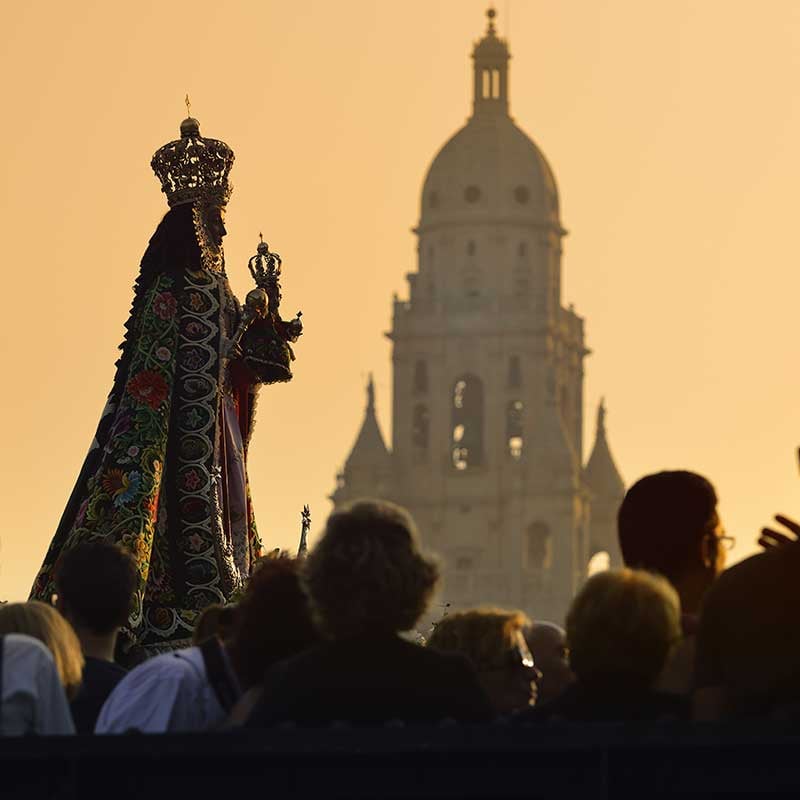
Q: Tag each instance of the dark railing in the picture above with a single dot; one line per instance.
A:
(496, 761)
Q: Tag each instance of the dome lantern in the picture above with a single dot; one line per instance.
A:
(490, 57)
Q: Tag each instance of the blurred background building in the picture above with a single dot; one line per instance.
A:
(487, 412)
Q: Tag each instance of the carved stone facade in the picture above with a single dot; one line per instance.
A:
(488, 377)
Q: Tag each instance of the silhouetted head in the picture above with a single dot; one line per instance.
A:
(621, 628)
(668, 523)
(272, 621)
(492, 640)
(95, 582)
(214, 620)
(548, 644)
(367, 574)
(44, 623)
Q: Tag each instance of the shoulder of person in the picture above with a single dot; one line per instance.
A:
(162, 670)
(26, 662)
(21, 644)
(144, 698)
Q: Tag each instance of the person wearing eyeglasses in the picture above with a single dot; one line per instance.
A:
(669, 524)
(493, 642)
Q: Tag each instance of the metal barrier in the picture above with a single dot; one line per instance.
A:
(494, 761)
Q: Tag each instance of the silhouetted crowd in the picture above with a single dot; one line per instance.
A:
(333, 638)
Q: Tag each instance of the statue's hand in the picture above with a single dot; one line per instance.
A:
(295, 327)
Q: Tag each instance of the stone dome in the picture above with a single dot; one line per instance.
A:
(490, 170)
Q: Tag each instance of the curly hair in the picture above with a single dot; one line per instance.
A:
(367, 573)
(622, 626)
(44, 623)
(272, 620)
(483, 635)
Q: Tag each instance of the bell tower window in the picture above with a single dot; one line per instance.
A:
(466, 443)
(514, 429)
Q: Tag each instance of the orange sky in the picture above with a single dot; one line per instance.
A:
(673, 131)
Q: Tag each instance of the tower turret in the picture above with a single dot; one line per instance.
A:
(607, 490)
(367, 471)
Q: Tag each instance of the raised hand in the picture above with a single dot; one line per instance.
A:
(771, 538)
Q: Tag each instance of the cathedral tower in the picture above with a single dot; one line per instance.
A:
(488, 374)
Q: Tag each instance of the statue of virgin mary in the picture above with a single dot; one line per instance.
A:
(166, 474)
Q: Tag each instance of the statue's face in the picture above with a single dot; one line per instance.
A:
(215, 225)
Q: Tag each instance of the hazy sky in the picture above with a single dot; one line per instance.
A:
(672, 128)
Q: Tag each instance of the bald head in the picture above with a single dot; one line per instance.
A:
(548, 643)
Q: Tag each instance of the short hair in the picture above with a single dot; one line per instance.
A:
(621, 627)
(272, 621)
(96, 582)
(662, 519)
(483, 635)
(214, 620)
(44, 623)
(367, 572)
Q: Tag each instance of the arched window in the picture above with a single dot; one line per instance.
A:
(487, 83)
(471, 248)
(420, 376)
(514, 373)
(538, 546)
(514, 429)
(420, 427)
(467, 423)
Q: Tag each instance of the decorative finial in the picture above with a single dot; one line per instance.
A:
(601, 416)
(263, 247)
(491, 14)
(370, 393)
(305, 526)
(190, 127)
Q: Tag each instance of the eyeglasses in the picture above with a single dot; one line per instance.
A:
(519, 657)
(726, 542)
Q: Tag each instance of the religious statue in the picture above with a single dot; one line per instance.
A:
(166, 473)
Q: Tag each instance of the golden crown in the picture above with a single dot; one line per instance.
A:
(194, 169)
